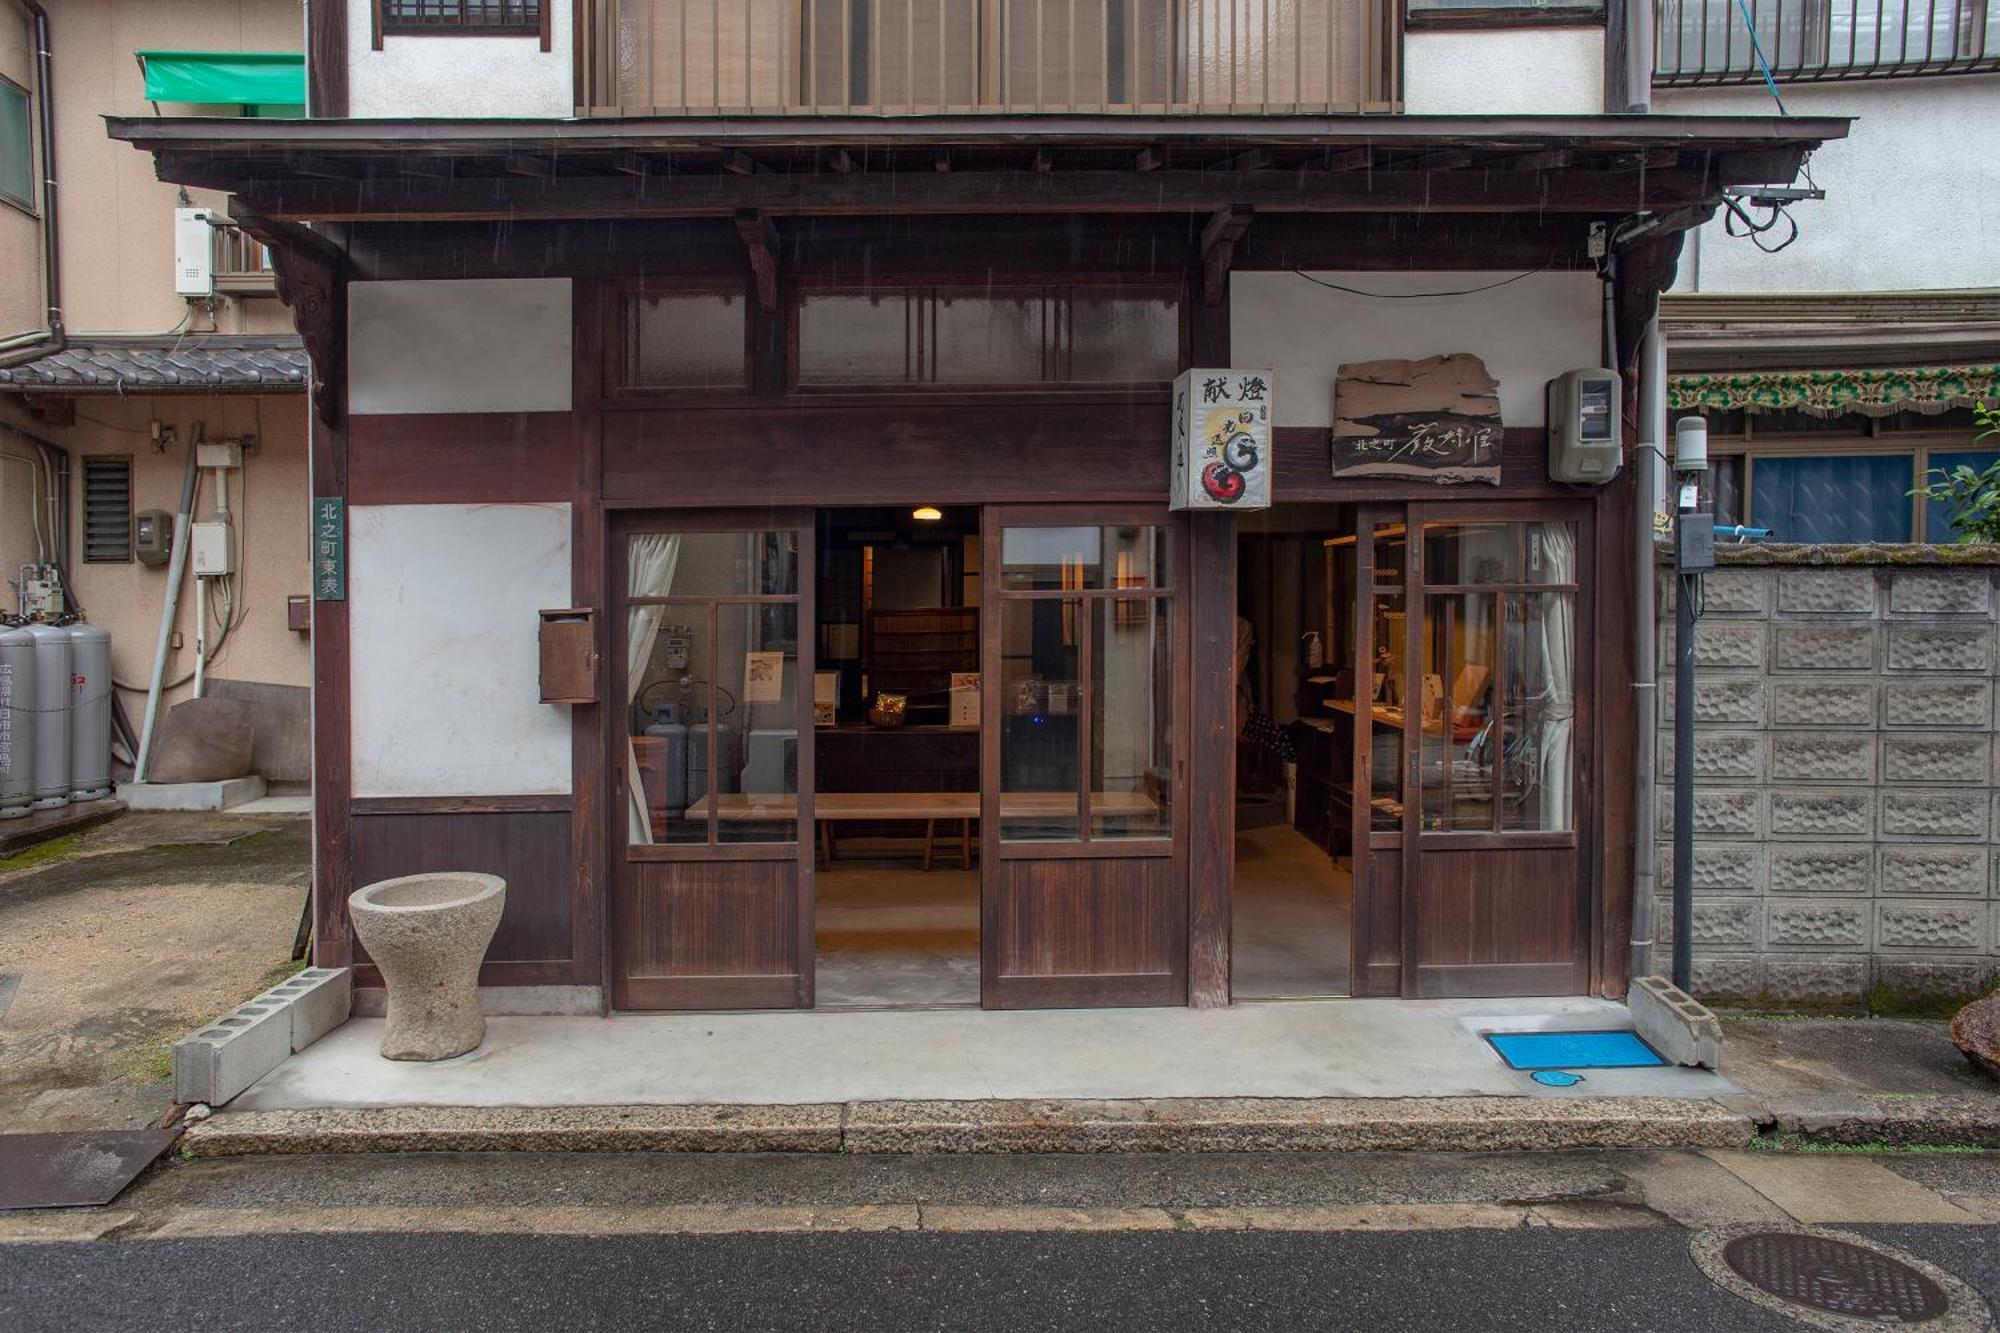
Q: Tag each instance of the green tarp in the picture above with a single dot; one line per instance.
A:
(242, 78)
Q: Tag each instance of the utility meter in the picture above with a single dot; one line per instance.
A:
(1583, 426)
(153, 536)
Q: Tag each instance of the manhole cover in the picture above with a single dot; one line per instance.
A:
(1832, 1275)
(1837, 1280)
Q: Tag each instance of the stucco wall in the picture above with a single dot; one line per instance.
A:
(1913, 194)
(459, 76)
(1845, 781)
(1547, 71)
(1527, 332)
(23, 308)
(117, 217)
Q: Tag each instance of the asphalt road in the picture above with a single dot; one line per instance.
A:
(1432, 1282)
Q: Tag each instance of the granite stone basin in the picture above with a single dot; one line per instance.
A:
(428, 934)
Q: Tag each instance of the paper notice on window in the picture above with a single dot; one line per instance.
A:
(763, 678)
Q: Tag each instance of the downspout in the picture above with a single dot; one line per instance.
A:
(40, 343)
(1640, 35)
(1648, 459)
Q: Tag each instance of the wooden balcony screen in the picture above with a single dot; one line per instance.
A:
(918, 57)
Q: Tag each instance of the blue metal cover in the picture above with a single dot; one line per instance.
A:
(1573, 1050)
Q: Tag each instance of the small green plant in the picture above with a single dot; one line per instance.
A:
(1972, 494)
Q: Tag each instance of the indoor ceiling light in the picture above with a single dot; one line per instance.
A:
(927, 513)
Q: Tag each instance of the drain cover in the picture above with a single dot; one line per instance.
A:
(1837, 1280)
(1822, 1273)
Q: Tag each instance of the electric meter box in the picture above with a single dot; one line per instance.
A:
(208, 549)
(153, 536)
(1584, 420)
(194, 252)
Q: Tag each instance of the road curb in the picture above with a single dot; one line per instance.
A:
(1434, 1124)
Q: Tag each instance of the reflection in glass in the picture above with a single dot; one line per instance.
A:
(760, 735)
(1385, 689)
(1472, 553)
(989, 339)
(1039, 708)
(1459, 741)
(1124, 339)
(856, 339)
(1079, 558)
(1131, 700)
(714, 564)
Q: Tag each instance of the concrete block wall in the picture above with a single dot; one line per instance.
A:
(1847, 780)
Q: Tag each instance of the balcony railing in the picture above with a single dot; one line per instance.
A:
(242, 265)
(919, 57)
(1709, 41)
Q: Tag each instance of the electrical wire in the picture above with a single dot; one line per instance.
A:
(1413, 296)
(1754, 230)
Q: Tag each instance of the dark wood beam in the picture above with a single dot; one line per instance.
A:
(1547, 159)
(321, 167)
(964, 192)
(1218, 247)
(1256, 159)
(941, 160)
(1344, 159)
(1443, 159)
(760, 238)
(1146, 160)
(326, 57)
(531, 165)
(1043, 162)
(310, 273)
(632, 164)
(840, 161)
(741, 164)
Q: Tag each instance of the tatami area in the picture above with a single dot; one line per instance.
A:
(1345, 1048)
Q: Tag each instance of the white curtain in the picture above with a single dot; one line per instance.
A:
(652, 556)
(1558, 672)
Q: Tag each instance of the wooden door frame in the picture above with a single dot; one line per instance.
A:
(719, 992)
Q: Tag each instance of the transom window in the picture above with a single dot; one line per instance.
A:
(491, 18)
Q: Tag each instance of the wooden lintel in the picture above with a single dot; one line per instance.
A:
(760, 239)
(1344, 159)
(1548, 159)
(1652, 159)
(426, 167)
(1444, 159)
(633, 164)
(1256, 159)
(322, 167)
(1218, 246)
(966, 192)
(532, 166)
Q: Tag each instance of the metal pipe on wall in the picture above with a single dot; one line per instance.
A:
(1646, 468)
(169, 603)
(45, 114)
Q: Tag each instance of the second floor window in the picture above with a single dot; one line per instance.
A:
(506, 18)
(1710, 41)
(17, 153)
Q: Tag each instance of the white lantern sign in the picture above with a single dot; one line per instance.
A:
(1222, 440)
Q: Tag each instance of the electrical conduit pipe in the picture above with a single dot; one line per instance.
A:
(170, 604)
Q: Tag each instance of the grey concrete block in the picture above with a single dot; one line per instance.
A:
(1719, 867)
(1838, 869)
(1728, 592)
(227, 1056)
(1928, 925)
(1827, 980)
(1823, 756)
(1936, 759)
(1929, 871)
(1941, 592)
(1820, 703)
(1669, 1020)
(1806, 923)
(1918, 703)
(1940, 648)
(1848, 592)
(1718, 812)
(1719, 756)
(1726, 922)
(320, 999)
(1728, 977)
(223, 795)
(1934, 814)
(1821, 646)
(1941, 983)
(1822, 813)
(1718, 644)
(1723, 700)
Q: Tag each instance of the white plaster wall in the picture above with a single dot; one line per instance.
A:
(465, 345)
(1522, 71)
(442, 603)
(1913, 194)
(1527, 332)
(476, 78)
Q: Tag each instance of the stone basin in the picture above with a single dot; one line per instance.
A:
(428, 934)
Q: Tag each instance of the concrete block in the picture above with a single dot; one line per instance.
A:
(1732, 977)
(1818, 646)
(1729, 592)
(1820, 703)
(1934, 814)
(1845, 592)
(1917, 703)
(1719, 756)
(1916, 592)
(320, 999)
(1719, 867)
(1921, 926)
(1726, 922)
(1819, 981)
(1936, 759)
(1807, 923)
(1934, 871)
(1674, 1024)
(1724, 700)
(1718, 812)
(227, 1056)
(1719, 644)
(1835, 869)
(191, 795)
(1823, 756)
(1931, 983)
(1822, 813)
(1940, 648)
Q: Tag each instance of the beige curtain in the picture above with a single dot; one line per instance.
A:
(652, 556)
(1558, 673)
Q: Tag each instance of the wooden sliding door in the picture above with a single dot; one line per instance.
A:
(712, 893)
(1084, 776)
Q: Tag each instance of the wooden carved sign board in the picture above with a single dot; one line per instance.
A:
(1437, 419)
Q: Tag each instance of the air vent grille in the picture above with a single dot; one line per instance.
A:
(107, 509)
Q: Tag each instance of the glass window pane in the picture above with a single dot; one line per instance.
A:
(1132, 718)
(1460, 743)
(756, 722)
(1461, 553)
(1074, 559)
(856, 339)
(667, 719)
(17, 168)
(1539, 712)
(687, 340)
(1039, 661)
(1938, 526)
(1124, 339)
(1840, 498)
(1391, 552)
(989, 339)
(713, 564)
(1385, 689)
(1551, 552)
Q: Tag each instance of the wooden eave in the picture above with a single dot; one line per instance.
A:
(371, 170)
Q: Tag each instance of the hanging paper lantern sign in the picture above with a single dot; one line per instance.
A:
(1222, 440)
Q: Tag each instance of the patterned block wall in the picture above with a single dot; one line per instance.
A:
(1847, 781)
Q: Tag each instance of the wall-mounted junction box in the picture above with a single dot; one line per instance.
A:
(153, 536)
(209, 549)
(194, 252)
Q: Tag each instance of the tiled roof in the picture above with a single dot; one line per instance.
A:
(194, 363)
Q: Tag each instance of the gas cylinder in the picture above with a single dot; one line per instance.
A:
(90, 712)
(17, 720)
(51, 715)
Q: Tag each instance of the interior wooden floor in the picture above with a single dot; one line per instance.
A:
(1292, 918)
